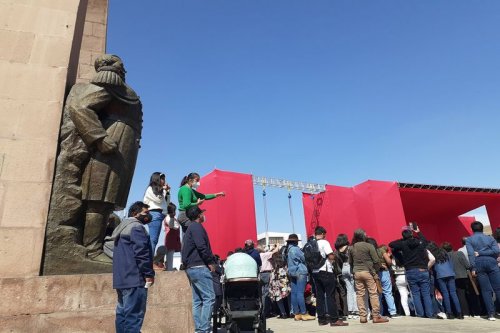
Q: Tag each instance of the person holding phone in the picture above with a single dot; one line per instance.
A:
(157, 197)
(414, 253)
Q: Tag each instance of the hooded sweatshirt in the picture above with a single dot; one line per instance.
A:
(413, 251)
(132, 255)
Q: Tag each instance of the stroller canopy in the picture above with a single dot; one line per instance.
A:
(240, 265)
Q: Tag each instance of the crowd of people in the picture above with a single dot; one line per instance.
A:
(363, 280)
(351, 280)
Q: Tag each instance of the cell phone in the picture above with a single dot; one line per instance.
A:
(414, 225)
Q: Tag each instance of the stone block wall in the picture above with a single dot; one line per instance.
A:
(94, 38)
(36, 37)
(47, 45)
(86, 303)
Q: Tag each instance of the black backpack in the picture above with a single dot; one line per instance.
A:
(284, 253)
(314, 259)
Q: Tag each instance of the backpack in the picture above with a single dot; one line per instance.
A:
(314, 259)
(284, 254)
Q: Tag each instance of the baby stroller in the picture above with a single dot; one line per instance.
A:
(242, 295)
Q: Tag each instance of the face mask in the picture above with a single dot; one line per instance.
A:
(196, 185)
(145, 219)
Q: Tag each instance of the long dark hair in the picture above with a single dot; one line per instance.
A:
(359, 236)
(341, 241)
(277, 260)
(439, 253)
(155, 183)
(372, 241)
(186, 179)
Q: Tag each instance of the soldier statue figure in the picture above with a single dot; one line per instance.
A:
(99, 143)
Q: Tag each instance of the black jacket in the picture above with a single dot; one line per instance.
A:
(413, 251)
(196, 250)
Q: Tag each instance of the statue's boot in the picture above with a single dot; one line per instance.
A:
(93, 236)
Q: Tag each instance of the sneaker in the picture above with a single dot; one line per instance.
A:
(395, 316)
(307, 316)
(350, 316)
(477, 317)
(441, 315)
(491, 318)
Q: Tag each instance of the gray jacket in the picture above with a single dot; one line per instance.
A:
(122, 229)
(460, 264)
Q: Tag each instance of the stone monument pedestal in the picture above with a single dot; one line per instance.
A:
(86, 303)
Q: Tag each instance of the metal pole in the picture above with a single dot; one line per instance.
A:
(291, 212)
(265, 216)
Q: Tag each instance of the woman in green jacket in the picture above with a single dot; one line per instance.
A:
(188, 197)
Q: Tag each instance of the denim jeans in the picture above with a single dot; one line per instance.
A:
(385, 280)
(154, 228)
(266, 302)
(420, 290)
(488, 276)
(437, 306)
(203, 297)
(449, 291)
(298, 286)
(130, 309)
(352, 305)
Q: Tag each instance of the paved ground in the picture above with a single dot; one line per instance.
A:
(402, 325)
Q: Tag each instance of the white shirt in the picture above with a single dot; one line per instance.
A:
(463, 249)
(325, 249)
(156, 202)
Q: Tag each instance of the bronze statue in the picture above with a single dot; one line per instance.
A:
(99, 143)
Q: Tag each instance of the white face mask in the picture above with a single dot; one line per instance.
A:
(196, 185)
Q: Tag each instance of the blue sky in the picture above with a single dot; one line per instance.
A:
(322, 91)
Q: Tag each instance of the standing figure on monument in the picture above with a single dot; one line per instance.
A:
(109, 121)
(100, 138)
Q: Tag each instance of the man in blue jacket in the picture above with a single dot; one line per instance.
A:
(199, 262)
(132, 268)
(251, 251)
(483, 253)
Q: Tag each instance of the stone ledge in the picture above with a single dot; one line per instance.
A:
(86, 303)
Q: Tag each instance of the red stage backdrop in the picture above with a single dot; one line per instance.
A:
(437, 211)
(374, 206)
(230, 219)
(382, 209)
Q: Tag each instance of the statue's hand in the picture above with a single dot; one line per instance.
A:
(107, 146)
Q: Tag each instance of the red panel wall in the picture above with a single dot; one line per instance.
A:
(230, 219)
(374, 206)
